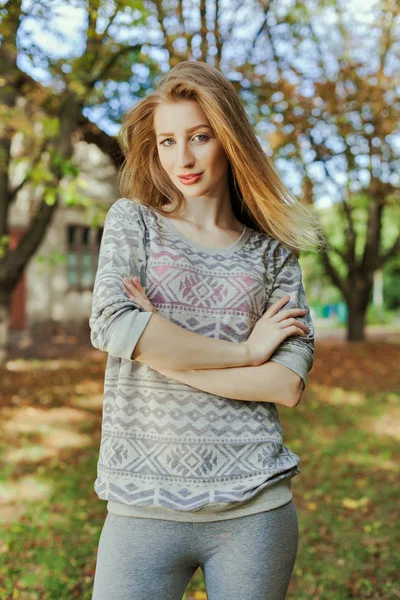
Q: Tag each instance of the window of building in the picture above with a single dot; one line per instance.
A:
(83, 246)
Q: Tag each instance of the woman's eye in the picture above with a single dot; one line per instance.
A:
(197, 135)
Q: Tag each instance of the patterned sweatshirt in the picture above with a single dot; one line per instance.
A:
(169, 450)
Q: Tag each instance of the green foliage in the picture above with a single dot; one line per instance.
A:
(40, 174)
(391, 284)
(52, 259)
(95, 222)
(51, 126)
(64, 166)
(50, 197)
(4, 243)
(379, 316)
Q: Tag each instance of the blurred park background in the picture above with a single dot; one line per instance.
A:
(320, 82)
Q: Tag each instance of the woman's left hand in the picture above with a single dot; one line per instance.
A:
(136, 293)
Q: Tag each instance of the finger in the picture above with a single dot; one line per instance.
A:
(276, 306)
(135, 296)
(128, 282)
(293, 323)
(131, 296)
(141, 300)
(136, 283)
(138, 296)
(134, 289)
(129, 287)
(288, 312)
(295, 330)
(139, 288)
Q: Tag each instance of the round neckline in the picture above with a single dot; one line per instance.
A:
(227, 250)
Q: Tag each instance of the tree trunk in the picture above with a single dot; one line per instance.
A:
(357, 310)
(355, 324)
(4, 326)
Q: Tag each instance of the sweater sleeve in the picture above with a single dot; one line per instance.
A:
(295, 352)
(116, 322)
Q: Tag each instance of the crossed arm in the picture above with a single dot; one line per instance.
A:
(269, 382)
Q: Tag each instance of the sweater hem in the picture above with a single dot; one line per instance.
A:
(267, 499)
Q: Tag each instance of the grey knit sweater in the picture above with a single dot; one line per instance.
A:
(169, 450)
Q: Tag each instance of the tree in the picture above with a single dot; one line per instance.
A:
(330, 86)
(49, 120)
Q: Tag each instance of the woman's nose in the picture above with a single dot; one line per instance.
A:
(184, 157)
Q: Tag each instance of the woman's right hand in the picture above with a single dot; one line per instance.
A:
(272, 329)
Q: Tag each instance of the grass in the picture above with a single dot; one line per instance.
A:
(346, 431)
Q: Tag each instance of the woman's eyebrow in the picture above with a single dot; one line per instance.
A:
(188, 130)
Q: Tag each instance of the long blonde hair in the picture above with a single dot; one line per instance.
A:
(259, 198)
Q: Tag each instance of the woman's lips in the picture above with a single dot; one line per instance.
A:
(190, 180)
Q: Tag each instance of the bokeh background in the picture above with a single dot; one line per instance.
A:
(320, 81)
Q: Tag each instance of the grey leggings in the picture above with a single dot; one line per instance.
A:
(245, 558)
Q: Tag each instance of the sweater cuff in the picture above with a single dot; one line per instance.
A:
(125, 333)
(294, 362)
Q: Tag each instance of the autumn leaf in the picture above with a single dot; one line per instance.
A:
(354, 504)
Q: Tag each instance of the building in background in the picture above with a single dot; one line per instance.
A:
(56, 287)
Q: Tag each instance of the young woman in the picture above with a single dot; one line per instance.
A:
(199, 303)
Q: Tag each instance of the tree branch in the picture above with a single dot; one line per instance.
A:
(107, 66)
(389, 253)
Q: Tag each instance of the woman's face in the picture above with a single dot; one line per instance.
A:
(183, 152)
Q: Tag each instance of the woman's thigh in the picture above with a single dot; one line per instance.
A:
(248, 558)
(142, 559)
